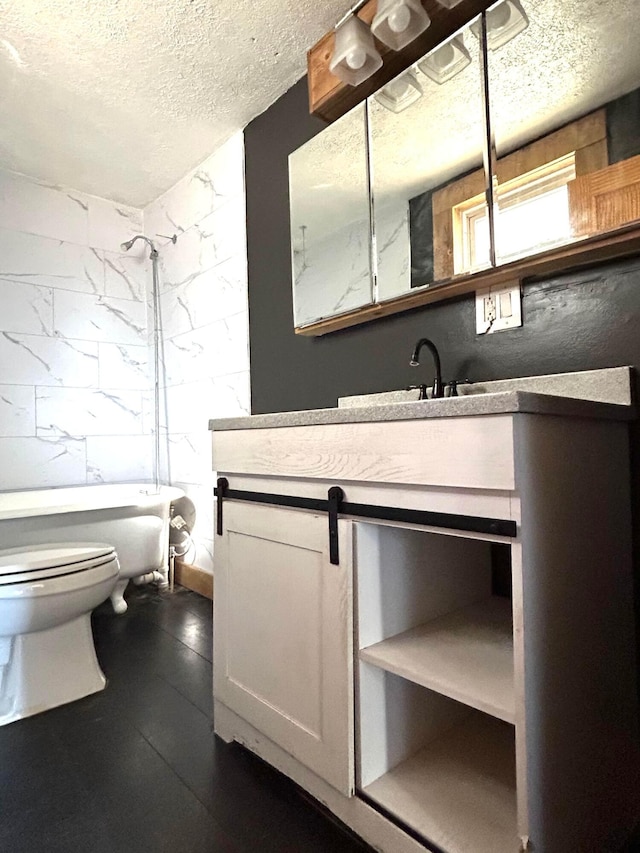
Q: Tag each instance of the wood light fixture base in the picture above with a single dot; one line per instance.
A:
(330, 98)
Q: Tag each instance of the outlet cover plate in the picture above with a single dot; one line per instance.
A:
(498, 308)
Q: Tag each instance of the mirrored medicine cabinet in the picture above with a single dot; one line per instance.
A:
(512, 149)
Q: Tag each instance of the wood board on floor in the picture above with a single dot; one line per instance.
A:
(194, 578)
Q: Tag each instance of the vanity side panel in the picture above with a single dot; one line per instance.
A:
(471, 452)
(579, 650)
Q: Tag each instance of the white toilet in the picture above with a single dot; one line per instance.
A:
(47, 593)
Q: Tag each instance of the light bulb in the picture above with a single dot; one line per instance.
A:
(397, 88)
(399, 19)
(356, 57)
(498, 17)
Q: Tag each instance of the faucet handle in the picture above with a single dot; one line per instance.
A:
(453, 386)
(422, 388)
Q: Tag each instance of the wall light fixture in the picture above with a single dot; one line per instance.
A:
(505, 21)
(355, 57)
(446, 61)
(400, 93)
(399, 22)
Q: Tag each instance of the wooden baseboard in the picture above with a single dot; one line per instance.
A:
(195, 579)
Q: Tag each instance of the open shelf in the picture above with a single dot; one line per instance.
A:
(458, 791)
(436, 738)
(466, 655)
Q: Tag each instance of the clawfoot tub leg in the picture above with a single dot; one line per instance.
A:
(117, 596)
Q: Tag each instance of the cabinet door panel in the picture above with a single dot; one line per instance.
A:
(283, 634)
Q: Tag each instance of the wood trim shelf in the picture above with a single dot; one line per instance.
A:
(621, 243)
(466, 655)
(330, 98)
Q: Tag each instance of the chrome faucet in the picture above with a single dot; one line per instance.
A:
(438, 387)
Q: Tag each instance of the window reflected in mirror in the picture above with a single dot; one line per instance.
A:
(534, 216)
(565, 114)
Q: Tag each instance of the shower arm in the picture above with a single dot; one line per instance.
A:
(126, 246)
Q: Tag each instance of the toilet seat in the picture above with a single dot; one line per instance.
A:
(42, 562)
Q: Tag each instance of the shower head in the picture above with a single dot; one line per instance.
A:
(126, 246)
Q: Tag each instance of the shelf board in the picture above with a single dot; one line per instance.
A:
(621, 242)
(466, 655)
(459, 791)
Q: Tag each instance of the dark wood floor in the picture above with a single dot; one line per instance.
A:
(137, 768)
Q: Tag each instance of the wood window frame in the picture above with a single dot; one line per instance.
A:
(534, 184)
(587, 137)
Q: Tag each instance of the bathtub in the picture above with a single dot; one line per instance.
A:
(133, 518)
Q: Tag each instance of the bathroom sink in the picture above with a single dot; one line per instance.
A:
(610, 385)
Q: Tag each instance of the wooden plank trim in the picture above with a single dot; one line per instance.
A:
(194, 578)
(621, 243)
(606, 198)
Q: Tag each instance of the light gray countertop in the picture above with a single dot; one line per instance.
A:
(504, 402)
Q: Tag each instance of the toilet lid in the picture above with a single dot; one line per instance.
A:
(38, 562)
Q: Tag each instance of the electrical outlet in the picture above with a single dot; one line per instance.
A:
(489, 308)
(498, 308)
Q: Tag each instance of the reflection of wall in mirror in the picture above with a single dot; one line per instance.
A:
(623, 127)
(431, 227)
(393, 248)
(333, 276)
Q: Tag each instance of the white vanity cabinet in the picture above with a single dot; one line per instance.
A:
(463, 678)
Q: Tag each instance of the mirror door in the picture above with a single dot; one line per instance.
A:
(564, 83)
(427, 138)
(330, 221)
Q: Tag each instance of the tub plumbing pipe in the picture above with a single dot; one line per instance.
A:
(150, 577)
(172, 566)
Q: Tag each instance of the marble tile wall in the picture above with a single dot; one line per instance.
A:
(74, 378)
(203, 287)
(76, 333)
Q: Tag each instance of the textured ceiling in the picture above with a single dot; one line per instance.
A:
(120, 98)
